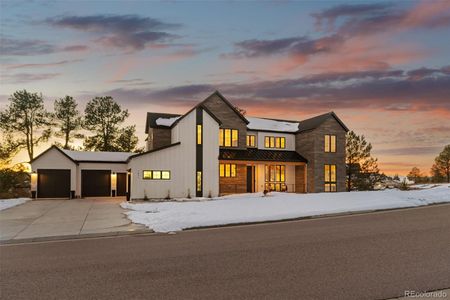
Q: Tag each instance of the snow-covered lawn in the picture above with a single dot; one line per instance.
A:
(7, 203)
(174, 216)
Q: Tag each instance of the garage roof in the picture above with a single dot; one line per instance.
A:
(91, 156)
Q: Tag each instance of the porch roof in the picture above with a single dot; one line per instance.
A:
(261, 155)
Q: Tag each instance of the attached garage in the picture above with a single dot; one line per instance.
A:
(52, 183)
(95, 183)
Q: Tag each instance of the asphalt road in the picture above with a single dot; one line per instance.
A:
(371, 256)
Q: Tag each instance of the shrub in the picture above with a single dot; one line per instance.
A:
(145, 196)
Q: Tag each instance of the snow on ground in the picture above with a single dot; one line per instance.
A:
(174, 216)
(7, 203)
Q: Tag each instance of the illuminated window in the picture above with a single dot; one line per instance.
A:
(330, 143)
(147, 175)
(228, 137)
(275, 142)
(275, 178)
(227, 170)
(199, 134)
(199, 181)
(251, 140)
(156, 175)
(330, 178)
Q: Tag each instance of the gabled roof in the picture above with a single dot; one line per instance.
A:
(153, 116)
(98, 156)
(261, 155)
(264, 124)
(90, 156)
(50, 148)
(153, 150)
(315, 122)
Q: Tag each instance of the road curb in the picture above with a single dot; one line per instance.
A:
(321, 216)
(76, 236)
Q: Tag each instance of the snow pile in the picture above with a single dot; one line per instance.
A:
(174, 216)
(264, 124)
(166, 121)
(404, 179)
(7, 203)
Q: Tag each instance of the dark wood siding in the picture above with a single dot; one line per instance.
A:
(95, 183)
(53, 183)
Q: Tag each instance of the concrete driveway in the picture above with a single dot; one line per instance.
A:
(57, 218)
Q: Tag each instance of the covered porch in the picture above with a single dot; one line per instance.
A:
(255, 170)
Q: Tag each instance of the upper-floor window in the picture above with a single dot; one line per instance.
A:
(274, 142)
(330, 143)
(251, 140)
(330, 178)
(228, 137)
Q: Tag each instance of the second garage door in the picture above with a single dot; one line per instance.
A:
(95, 183)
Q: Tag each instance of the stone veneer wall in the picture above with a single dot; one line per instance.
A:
(300, 179)
(233, 185)
(161, 137)
(310, 144)
(228, 117)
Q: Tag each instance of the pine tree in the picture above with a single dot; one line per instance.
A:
(103, 116)
(415, 175)
(362, 168)
(27, 120)
(68, 118)
(442, 164)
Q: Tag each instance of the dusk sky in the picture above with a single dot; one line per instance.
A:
(383, 67)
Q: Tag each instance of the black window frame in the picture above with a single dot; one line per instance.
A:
(161, 172)
(249, 138)
(272, 142)
(332, 185)
(329, 138)
(222, 142)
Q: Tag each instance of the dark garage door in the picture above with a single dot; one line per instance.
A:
(95, 183)
(53, 183)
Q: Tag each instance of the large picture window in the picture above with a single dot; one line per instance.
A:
(156, 175)
(275, 142)
(275, 178)
(330, 143)
(227, 170)
(228, 137)
(330, 178)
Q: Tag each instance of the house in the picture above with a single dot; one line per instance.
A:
(211, 150)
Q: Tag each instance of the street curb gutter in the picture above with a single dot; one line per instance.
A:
(321, 216)
(75, 236)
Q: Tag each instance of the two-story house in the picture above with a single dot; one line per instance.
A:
(211, 150)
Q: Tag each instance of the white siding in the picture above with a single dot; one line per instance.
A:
(179, 160)
(210, 156)
(54, 159)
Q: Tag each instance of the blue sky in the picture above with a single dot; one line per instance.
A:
(383, 66)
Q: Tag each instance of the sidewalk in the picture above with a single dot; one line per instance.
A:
(65, 218)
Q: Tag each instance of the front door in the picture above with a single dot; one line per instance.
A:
(250, 179)
(121, 184)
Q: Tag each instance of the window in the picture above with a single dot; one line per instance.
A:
(199, 181)
(330, 178)
(275, 178)
(199, 134)
(275, 142)
(330, 143)
(228, 137)
(251, 140)
(227, 170)
(156, 175)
